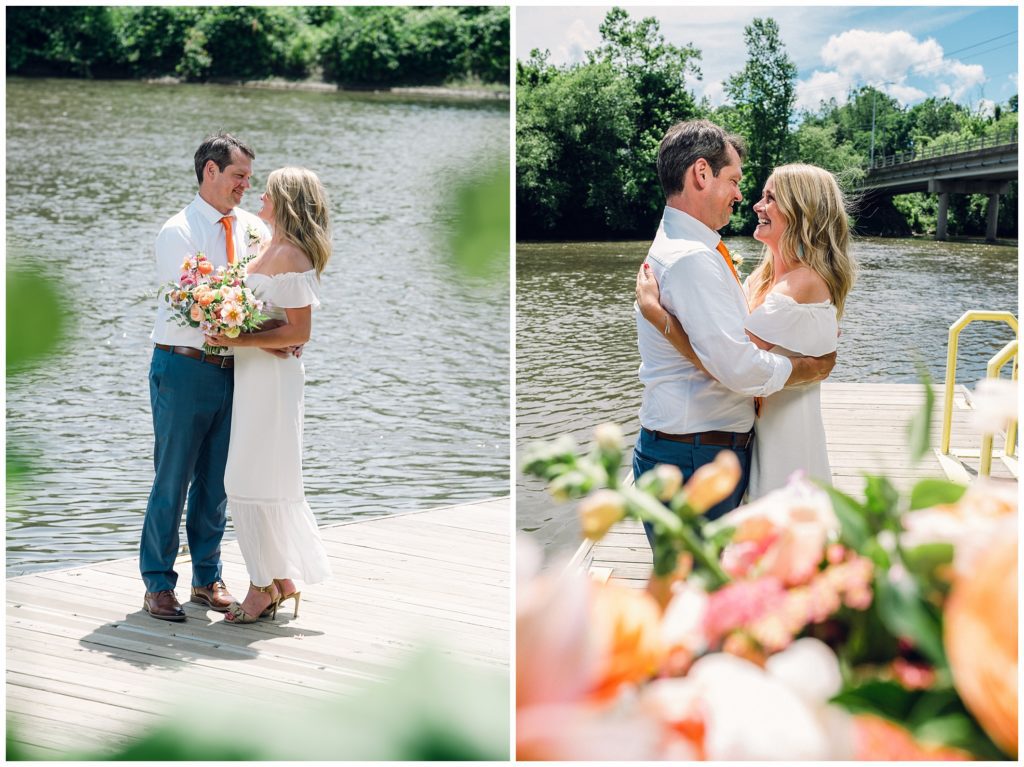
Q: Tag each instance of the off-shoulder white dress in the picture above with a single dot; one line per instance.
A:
(789, 434)
(276, 530)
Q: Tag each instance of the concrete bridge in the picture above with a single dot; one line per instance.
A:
(984, 165)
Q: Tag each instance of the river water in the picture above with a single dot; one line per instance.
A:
(576, 355)
(407, 373)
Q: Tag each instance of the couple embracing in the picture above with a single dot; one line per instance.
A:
(228, 427)
(718, 354)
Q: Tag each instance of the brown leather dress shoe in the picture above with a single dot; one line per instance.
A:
(163, 605)
(215, 596)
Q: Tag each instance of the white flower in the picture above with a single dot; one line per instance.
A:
(995, 405)
(988, 507)
(800, 501)
(754, 714)
(608, 436)
(682, 625)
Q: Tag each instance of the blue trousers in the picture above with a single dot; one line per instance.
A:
(191, 402)
(650, 451)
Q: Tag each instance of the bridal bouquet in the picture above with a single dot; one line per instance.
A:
(214, 300)
(806, 625)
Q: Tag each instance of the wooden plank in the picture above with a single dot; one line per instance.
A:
(87, 667)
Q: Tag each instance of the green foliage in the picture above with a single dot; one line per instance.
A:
(356, 46)
(587, 134)
(75, 41)
(762, 96)
(480, 239)
(38, 317)
(433, 710)
(397, 45)
(153, 37)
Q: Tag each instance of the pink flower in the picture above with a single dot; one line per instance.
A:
(739, 604)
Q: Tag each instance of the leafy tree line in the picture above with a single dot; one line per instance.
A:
(587, 134)
(353, 46)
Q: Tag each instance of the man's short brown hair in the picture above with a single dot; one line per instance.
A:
(218, 148)
(685, 143)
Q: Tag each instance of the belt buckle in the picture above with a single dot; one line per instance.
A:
(224, 360)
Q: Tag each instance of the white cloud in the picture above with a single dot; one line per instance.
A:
(986, 107)
(580, 38)
(896, 62)
(822, 86)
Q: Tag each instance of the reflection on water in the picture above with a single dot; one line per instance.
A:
(407, 374)
(576, 356)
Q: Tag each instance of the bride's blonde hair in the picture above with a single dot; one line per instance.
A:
(817, 234)
(300, 212)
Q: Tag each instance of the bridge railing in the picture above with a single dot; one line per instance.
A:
(999, 138)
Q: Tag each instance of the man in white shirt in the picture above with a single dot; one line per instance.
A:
(191, 392)
(686, 416)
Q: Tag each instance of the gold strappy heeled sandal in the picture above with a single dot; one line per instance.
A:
(282, 597)
(241, 616)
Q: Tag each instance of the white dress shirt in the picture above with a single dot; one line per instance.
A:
(698, 287)
(196, 229)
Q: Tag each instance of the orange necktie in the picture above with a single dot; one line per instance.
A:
(758, 401)
(728, 260)
(229, 237)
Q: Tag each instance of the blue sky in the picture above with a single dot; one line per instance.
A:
(967, 53)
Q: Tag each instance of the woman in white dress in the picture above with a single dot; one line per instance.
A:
(276, 530)
(796, 296)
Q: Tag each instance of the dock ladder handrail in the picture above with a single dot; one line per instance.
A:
(995, 365)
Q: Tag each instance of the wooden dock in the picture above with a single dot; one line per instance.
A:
(88, 670)
(866, 430)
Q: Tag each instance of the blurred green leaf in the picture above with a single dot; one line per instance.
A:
(922, 560)
(935, 492)
(38, 315)
(905, 614)
(434, 709)
(851, 516)
(880, 499)
(919, 430)
(885, 698)
(479, 243)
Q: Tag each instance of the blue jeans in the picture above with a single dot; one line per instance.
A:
(650, 451)
(191, 402)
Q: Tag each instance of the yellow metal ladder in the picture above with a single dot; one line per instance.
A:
(952, 465)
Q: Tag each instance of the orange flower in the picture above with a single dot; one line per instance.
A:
(204, 267)
(981, 640)
(879, 740)
(626, 623)
(203, 295)
(713, 482)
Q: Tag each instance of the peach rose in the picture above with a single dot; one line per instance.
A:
(981, 640)
(196, 312)
(626, 624)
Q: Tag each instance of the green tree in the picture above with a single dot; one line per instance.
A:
(762, 95)
(657, 73)
(569, 168)
(77, 41)
(587, 134)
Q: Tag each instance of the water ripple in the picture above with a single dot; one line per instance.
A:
(407, 399)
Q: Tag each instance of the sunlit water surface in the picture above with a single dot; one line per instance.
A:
(407, 373)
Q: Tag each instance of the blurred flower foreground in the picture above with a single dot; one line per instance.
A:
(805, 625)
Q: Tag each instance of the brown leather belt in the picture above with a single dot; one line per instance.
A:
(221, 361)
(730, 439)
